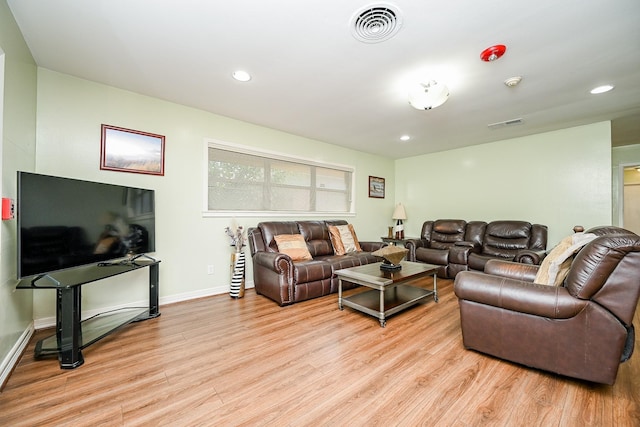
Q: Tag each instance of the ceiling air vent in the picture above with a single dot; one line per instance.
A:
(511, 122)
(375, 23)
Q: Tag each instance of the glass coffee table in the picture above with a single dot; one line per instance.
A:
(389, 292)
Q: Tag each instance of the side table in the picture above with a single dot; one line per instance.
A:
(397, 242)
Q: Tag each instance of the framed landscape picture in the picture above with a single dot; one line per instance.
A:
(376, 187)
(128, 150)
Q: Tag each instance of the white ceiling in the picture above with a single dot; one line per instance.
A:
(312, 78)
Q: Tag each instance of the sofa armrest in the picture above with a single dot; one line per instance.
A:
(276, 261)
(412, 245)
(475, 247)
(372, 246)
(515, 295)
(530, 256)
(512, 270)
(459, 252)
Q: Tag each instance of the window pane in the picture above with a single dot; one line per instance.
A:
(245, 181)
(332, 179)
(290, 173)
(290, 199)
(230, 196)
(329, 201)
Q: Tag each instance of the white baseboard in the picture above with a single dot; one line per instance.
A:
(9, 362)
(50, 322)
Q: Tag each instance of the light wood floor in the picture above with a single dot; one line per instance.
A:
(223, 362)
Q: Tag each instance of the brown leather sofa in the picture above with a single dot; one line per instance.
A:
(285, 281)
(581, 329)
(457, 245)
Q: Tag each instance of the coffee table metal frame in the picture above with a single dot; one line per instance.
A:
(389, 292)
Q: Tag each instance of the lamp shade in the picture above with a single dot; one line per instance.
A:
(399, 212)
(425, 96)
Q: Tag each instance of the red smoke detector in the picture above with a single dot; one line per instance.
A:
(492, 53)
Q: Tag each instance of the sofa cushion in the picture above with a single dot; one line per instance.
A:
(344, 239)
(316, 235)
(293, 245)
(446, 232)
(432, 256)
(312, 271)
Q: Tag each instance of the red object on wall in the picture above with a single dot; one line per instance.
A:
(492, 53)
(8, 208)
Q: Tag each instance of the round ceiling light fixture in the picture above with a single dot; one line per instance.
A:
(492, 53)
(425, 96)
(601, 89)
(241, 76)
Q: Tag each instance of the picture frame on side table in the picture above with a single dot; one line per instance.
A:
(376, 187)
(128, 150)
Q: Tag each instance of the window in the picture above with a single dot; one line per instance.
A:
(242, 180)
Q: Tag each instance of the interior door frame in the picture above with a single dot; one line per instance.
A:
(620, 189)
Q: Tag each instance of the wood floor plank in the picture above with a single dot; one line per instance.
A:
(218, 361)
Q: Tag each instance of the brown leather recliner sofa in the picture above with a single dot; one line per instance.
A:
(581, 329)
(457, 245)
(285, 281)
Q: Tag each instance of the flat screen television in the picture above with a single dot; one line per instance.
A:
(64, 223)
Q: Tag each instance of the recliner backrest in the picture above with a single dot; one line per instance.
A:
(270, 229)
(316, 234)
(444, 233)
(606, 271)
(506, 238)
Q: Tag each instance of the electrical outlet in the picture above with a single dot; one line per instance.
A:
(210, 269)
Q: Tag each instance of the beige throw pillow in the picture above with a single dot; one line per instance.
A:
(344, 239)
(294, 246)
(555, 266)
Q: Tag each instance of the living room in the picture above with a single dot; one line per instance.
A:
(51, 125)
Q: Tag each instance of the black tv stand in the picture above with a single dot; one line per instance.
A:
(72, 333)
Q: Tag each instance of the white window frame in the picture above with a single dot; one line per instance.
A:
(223, 145)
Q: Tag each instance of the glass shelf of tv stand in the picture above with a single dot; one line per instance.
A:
(78, 276)
(95, 328)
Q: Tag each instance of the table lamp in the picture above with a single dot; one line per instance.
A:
(399, 214)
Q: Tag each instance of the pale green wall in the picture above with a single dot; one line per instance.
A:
(70, 112)
(559, 179)
(621, 156)
(17, 144)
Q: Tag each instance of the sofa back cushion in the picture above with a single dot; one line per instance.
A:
(446, 232)
(316, 234)
(475, 232)
(270, 229)
(506, 238)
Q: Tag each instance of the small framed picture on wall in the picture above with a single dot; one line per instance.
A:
(128, 150)
(376, 187)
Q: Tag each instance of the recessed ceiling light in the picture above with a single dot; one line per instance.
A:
(601, 89)
(241, 76)
(405, 138)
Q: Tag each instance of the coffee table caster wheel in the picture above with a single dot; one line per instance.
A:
(435, 298)
(341, 308)
(383, 323)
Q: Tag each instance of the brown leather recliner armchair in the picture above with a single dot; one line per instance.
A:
(582, 329)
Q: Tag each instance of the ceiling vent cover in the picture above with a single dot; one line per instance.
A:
(375, 23)
(506, 123)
